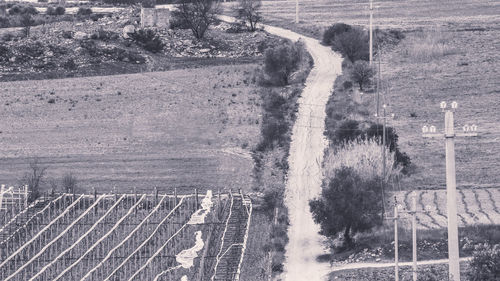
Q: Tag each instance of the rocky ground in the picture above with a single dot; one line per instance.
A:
(67, 48)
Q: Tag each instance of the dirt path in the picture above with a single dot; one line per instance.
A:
(306, 156)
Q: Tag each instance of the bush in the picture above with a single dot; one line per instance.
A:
(248, 11)
(353, 44)
(362, 73)
(69, 64)
(30, 50)
(4, 22)
(60, 11)
(68, 34)
(50, 11)
(485, 264)
(346, 132)
(8, 36)
(69, 183)
(198, 15)
(334, 30)
(91, 47)
(178, 21)
(280, 62)
(4, 53)
(149, 39)
(104, 35)
(22, 10)
(83, 11)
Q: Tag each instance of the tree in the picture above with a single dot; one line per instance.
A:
(34, 178)
(281, 61)
(249, 12)
(348, 204)
(361, 73)
(353, 44)
(198, 15)
(27, 21)
(333, 31)
(485, 263)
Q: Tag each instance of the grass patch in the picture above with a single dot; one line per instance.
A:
(429, 46)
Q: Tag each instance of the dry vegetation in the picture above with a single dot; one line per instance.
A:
(182, 128)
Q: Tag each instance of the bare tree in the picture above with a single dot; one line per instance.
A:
(249, 12)
(34, 178)
(198, 15)
(69, 182)
(361, 73)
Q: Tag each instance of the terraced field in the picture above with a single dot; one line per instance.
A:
(475, 206)
(127, 237)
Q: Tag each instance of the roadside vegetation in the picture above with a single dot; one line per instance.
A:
(283, 73)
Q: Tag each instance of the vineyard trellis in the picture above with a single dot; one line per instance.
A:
(126, 237)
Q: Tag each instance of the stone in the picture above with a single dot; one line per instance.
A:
(80, 35)
(127, 30)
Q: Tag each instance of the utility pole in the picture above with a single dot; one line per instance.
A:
(396, 244)
(371, 31)
(414, 235)
(378, 80)
(451, 189)
(296, 11)
(384, 159)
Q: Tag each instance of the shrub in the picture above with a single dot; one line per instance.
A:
(353, 44)
(362, 73)
(4, 22)
(22, 10)
(8, 36)
(91, 47)
(346, 132)
(102, 34)
(83, 11)
(280, 62)
(15, 10)
(69, 64)
(334, 30)
(50, 11)
(30, 50)
(68, 34)
(69, 182)
(347, 85)
(4, 52)
(60, 11)
(485, 264)
(149, 39)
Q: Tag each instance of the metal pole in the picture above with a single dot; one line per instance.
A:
(383, 145)
(414, 235)
(378, 81)
(371, 31)
(451, 200)
(396, 246)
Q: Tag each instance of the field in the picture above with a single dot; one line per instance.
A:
(417, 77)
(176, 129)
(127, 237)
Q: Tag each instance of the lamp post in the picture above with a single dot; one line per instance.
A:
(451, 190)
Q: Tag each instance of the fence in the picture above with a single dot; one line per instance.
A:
(127, 237)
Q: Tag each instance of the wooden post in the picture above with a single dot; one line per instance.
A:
(156, 195)
(95, 199)
(196, 198)
(175, 196)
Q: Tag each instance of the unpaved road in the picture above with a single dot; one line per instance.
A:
(306, 156)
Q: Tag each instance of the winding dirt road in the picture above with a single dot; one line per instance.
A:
(306, 156)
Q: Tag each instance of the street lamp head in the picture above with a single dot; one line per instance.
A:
(425, 129)
(442, 105)
(432, 129)
(392, 115)
(384, 105)
(473, 127)
(454, 105)
(466, 128)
